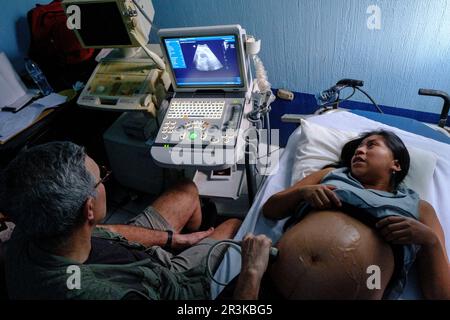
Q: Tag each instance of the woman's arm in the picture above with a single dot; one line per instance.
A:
(282, 204)
(433, 264)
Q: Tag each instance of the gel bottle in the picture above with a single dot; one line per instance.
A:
(38, 77)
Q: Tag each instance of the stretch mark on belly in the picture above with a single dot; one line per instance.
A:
(348, 241)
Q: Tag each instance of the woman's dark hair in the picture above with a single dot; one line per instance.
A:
(393, 142)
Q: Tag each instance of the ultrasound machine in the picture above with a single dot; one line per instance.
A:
(208, 70)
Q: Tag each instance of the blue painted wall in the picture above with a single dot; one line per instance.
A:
(14, 34)
(307, 45)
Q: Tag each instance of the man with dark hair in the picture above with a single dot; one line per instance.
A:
(54, 193)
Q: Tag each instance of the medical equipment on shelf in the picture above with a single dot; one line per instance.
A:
(445, 108)
(213, 92)
(131, 79)
(273, 254)
(329, 99)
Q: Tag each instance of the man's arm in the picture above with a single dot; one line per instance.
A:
(144, 236)
(255, 258)
(150, 237)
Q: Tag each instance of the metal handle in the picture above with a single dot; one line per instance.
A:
(445, 107)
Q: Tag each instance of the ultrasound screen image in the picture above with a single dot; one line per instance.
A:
(204, 61)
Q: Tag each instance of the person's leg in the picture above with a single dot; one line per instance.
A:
(196, 254)
(226, 230)
(180, 207)
(177, 208)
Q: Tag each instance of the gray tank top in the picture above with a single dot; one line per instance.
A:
(370, 206)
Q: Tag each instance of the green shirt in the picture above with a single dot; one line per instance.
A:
(33, 273)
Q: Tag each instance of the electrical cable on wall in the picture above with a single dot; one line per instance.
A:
(331, 97)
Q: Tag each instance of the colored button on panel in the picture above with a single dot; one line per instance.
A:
(193, 135)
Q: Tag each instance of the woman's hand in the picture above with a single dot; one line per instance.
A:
(320, 196)
(403, 230)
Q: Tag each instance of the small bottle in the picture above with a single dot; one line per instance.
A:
(38, 77)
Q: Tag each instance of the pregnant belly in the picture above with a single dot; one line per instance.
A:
(327, 255)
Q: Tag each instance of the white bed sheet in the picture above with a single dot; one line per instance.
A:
(257, 224)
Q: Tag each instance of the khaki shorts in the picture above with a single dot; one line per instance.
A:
(188, 258)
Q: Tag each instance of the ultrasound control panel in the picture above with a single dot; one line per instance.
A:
(206, 122)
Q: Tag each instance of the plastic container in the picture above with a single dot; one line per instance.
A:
(38, 77)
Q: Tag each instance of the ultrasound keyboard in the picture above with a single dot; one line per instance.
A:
(197, 121)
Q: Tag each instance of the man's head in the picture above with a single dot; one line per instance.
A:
(52, 189)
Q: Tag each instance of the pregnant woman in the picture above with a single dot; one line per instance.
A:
(354, 221)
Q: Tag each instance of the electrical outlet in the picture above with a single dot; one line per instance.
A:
(285, 94)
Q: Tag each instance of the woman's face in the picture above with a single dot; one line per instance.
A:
(373, 159)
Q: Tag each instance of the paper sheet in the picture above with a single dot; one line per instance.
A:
(13, 123)
(12, 88)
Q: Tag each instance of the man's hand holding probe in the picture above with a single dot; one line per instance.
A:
(255, 259)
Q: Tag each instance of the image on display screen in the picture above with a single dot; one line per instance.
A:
(204, 61)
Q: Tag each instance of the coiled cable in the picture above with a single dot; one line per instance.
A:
(234, 244)
(273, 254)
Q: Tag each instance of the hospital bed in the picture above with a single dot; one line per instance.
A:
(412, 132)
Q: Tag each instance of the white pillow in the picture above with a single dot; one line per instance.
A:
(421, 170)
(319, 146)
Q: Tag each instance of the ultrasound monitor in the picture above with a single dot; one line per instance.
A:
(205, 58)
(111, 23)
(204, 61)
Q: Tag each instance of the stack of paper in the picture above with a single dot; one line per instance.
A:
(13, 93)
(13, 123)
